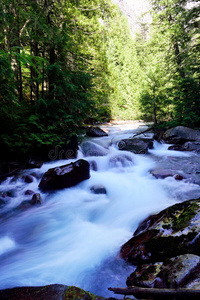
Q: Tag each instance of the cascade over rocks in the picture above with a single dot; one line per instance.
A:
(137, 146)
(65, 176)
(95, 132)
(172, 232)
(92, 149)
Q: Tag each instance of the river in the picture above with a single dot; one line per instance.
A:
(75, 236)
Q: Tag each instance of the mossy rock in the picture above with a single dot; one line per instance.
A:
(180, 271)
(172, 232)
(75, 293)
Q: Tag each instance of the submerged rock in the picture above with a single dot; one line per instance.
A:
(92, 149)
(137, 146)
(172, 232)
(98, 189)
(50, 292)
(65, 176)
(95, 132)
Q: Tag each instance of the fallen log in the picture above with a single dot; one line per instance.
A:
(145, 293)
(143, 132)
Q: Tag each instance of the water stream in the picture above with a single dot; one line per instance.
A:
(75, 236)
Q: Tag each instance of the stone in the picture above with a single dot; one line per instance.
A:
(36, 199)
(192, 146)
(175, 272)
(65, 176)
(137, 146)
(172, 232)
(161, 174)
(93, 165)
(27, 178)
(29, 192)
(98, 189)
(176, 148)
(95, 132)
(181, 134)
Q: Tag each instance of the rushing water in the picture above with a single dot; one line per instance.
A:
(75, 236)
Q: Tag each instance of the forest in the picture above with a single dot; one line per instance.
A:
(69, 63)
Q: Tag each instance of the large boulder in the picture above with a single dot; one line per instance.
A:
(95, 132)
(179, 271)
(181, 134)
(65, 176)
(137, 146)
(172, 232)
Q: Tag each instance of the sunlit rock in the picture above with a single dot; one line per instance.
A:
(98, 189)
(65, 176)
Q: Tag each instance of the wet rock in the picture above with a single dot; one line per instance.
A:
(95, 132)
(50, 292)
(178, 177)
(98, 189)
(36, 199)
(161, 174)
(93, 165)
(27, 178)
(176, 272)
(29, 192)
(172, 232)
(176, 148)
(93, 149)
(181, 134)
(192, 146)
(11, 193)
(65, 176)
(137, 146)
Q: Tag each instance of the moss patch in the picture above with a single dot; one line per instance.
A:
(182, 220)
(75, 293)
(166, 247)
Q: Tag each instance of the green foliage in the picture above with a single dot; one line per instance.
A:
(171, 90)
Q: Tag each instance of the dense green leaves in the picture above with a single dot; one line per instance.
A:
(172, 54)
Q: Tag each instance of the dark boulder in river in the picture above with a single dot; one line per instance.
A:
(95, 132)
(65, 176)
(137, 146)
(181, 134)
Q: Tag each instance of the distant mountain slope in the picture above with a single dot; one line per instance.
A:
(133, 9)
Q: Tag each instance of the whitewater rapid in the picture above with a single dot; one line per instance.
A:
(74, 237)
